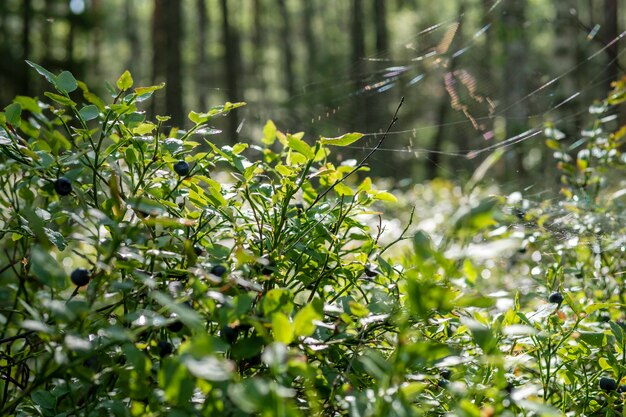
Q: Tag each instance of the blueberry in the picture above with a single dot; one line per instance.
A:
(608, 384)
(175, 326)
(370, 272)
(80, 277)
(230, 334)
(621, 389)
(198, 250)
(181, 168)
(445, 374)
(556, 298)
(218, 270)
(165, 348)
(63, 186)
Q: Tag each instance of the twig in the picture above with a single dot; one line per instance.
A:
(360, 165)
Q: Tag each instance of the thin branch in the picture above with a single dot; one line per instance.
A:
(362, 163)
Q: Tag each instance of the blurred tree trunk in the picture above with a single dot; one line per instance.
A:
(257, 35)
(357, 31)
(70, 40)
(231, 56)
(27, 12)
(382, 33)
(514, 81)
(611, 32)
(173, 75)
(443, 111)
(47, 33)
(132, 36)
(166, 57)
(567, 57)
(285, 34)
(309, 39)
(159, 56)
(96, 32)
(202, 69)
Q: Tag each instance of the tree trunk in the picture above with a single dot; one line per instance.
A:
(202, 69)
(446, 103)
(130, 17)
(610, 33)
(231, 54)
(159, 57)
(285, 34)
(173, 75)
(309, 39)
(27, 12)
(70, 40)
(358, 54)
(514, 81)
(92, 64)
(382, 33)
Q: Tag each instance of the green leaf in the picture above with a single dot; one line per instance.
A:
(422, 245)
(125, 81)
(343, 140)
(46, 269)
(145, 90)
(596, 339)
(250, 395)
(144, 128)
(176, 382)
(277, 299)
(29, 104)
(282, 328)
(303, 321)
(66, 82)
(385, 196)
(41, 70)
(269, 133)
(209, 368)
(247, 347)
(89, 112)
(299, 145)
(13, 112)
(60, 99)
(197, 118)
(55, 237)
(44, 399)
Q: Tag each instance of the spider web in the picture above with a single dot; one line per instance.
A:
(445, 68)
(440, 68)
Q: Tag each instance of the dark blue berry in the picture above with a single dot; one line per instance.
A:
(80, 277)
(165, 348)
(556, 298)
(181, 168)
(218, 270)
(63, 186)
(175, 326)
(230, 334)
(608, 384)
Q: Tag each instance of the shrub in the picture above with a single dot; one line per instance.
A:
(215, 284)
(148, 271)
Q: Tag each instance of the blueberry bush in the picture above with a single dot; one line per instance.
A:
(146, 271)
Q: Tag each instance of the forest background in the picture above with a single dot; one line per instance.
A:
(474, 73)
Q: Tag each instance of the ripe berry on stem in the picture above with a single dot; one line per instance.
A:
(80, 277)
(608, 384)
(556, 298)
(181, 168)
(63, 186)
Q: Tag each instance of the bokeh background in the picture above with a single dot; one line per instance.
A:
(475, 74)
